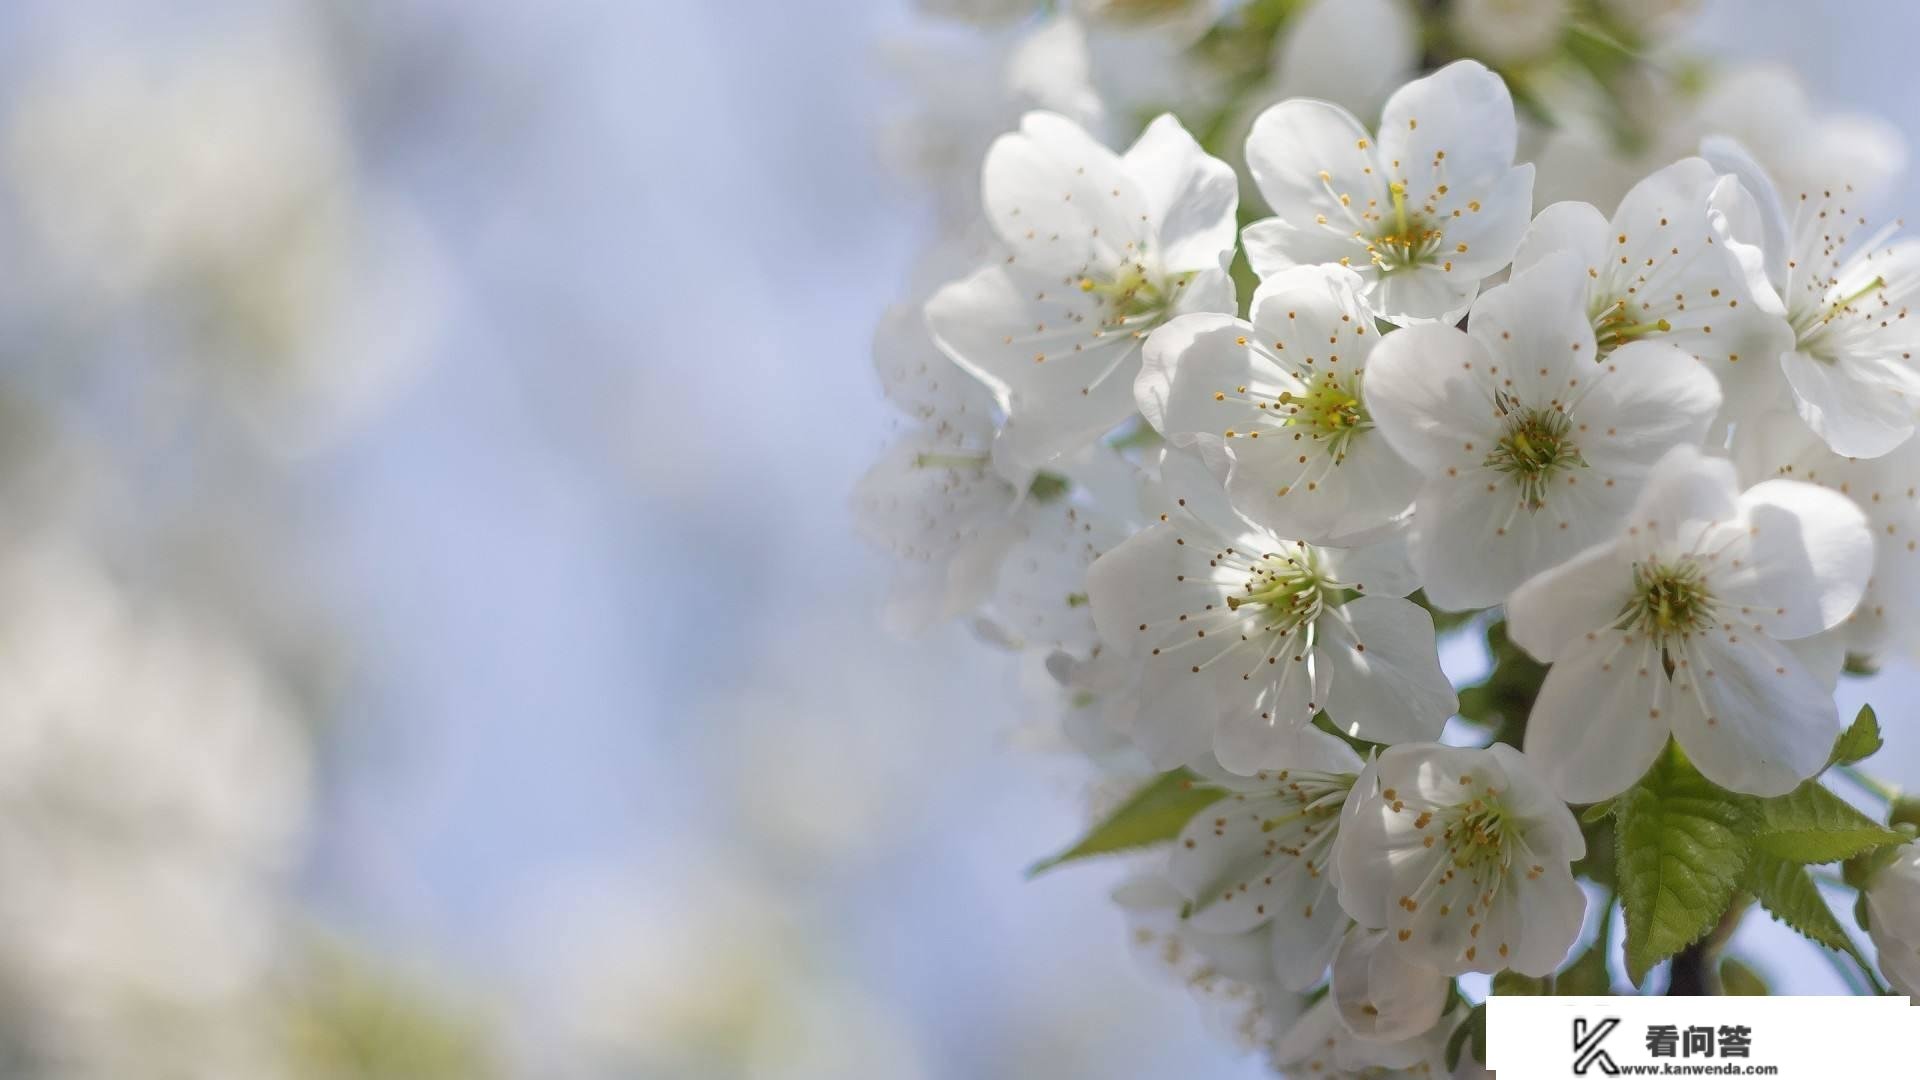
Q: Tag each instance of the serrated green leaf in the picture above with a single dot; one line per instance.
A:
(1739, 980)
(1679, 857)
(1155, 814)
(1813, 825)
(1596, 813)
(1789, 894)
(1860, 741)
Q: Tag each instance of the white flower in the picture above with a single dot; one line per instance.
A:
(1423, 213)
(932, 499)
(1321, 1046)
(1104, 248)
(1851, 367)
(1263, 857)
(1243, 637)
(1893, 919)
(1765, 108)
(953, 114)
(1352, 53)
(1676, 625)
(1665, 268)
(1462, 856)
(1532, 449)
(1276, 406)
(1779, 445)
(1383, 992)
(1507, 31)
(1230, 975)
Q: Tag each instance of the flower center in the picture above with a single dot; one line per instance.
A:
(1406, 239)
(1133, 293)
(1613, 326)
(1811, 325)
(1535, 449)
(1669, 599)
(1477, 833)
(1290, 589)
(1329, 408)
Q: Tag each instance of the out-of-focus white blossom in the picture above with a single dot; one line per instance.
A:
(1103, 248)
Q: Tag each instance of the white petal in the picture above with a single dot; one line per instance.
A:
(1304, 155)
(1190, 196)
(1686, 493)
(1598, 723)
(1806, 560)
(1387, 685)
(1549, 912)
(1381, 567)
(1323, 500)
(1556, 608)
(1575, 228)
(1382, 994)
(1474, 542)
(1060, 200)
(1748, 715)
(1349, 52)
(1761, 220)
(1189, 360)
(1463, 112)
(1421, 294)
(1645, 398)
(1428, 390)
(1492, 233)
(1550, 829)
(1274, 245)
(1048, 371)
(1861, 406)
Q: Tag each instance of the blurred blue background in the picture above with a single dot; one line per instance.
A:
(617, 752)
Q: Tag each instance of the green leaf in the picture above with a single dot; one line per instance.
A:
(1860, 741)
(1514, 984)
(1679, 859)
(1596, 813)
(1739, 980)
(1813, 825)
(1155, 814)
(1472, 1030)
(1587, 976)
(1458, 1041)
(1789, 894)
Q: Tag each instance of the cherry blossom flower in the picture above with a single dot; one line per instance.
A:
(1383, 992)
(1678, 624)
(1243, 637)
(1276, 406)
(1531, 447)
(1320, 1045)
(1893, 919)
(1263, 856)
(1103, 248)
(1851, 367)
(1666, 268)
(1462, 856)
(1779, 445)
(1423, 212)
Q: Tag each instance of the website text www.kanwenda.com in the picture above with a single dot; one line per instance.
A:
(1699, 1070)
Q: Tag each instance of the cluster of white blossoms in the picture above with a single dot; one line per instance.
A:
(1667, 444)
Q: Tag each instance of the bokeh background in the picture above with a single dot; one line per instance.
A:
(433, 641)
